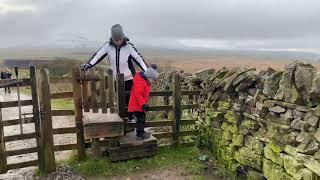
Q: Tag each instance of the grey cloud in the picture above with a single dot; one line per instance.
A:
(283, 24)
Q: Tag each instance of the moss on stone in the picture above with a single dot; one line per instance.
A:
(226, 135)
(231, 117)
(273, 156)
(230, 127)
(292, 166)
(237, 139)
(223, 106)
(274, 172)
(290, 150)
(274, 147)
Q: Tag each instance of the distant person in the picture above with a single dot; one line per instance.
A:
(2, 74)
(8, 76)
(3, 77)
(121, 54)
(138, 104)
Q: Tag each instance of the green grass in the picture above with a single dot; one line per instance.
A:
(182, 156)
(62, 103)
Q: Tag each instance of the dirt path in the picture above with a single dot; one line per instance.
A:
(12, 113)
(168, 173)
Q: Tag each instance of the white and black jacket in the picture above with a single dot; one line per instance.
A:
(121, 58)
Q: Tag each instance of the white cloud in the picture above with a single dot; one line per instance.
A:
(6, 7)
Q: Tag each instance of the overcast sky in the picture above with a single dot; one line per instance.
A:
(223, 24)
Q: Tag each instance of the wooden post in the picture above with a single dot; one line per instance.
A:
(103, 93)
(176, 95)
(36, 115)
(111, 93)
(3, 156)
(78, 113)
(94, 101)
(47, 146)
(166, 102)
(85, 92)
(121, 96)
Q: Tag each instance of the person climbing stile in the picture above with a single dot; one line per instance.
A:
(121, 54)
(138, 104)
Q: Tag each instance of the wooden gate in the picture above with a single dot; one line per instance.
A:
(35, 119)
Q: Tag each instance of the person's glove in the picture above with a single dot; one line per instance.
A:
(154, 66)
(145, 107)
(85, 66)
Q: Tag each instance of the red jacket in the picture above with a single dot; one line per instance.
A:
(139, 93)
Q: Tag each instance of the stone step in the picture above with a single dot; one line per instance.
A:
(130, 148)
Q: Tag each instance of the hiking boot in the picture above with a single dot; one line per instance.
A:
(133, 120)
(145, 135)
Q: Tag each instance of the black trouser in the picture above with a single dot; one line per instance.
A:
(7, 89)
(127, 87)
(140, 123)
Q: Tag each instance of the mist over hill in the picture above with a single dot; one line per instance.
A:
(83, 52)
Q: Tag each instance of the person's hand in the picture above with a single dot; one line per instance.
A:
(85, 66)
(145, 107)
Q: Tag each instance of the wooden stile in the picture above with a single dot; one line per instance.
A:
(47, 146)
(176, 108)
(94, 96)
(103, 93)
(78, 113)
(166, 100)
(111, 93)
(85, 92)
(120, 96)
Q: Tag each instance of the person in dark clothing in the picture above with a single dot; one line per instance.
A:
(9, 74)
(138, 104)
(6, 75)
(121, 54)
(3, 77)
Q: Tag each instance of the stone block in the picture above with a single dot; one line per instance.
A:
(231, 116)
(304, 137)
(292, 166)
(237, 139)
(308, 175)
(317, 155)
(290, 150)
(309, 147)
(254, 144)
(273, 156)
(247, 158)
(311, 119)
(297, 114)
(277, 109)
(299, 124)
(273, 171)
(249, 124)
(230, 127)
(227, 135)
(277, 118)
(317, 135)
(309, 162)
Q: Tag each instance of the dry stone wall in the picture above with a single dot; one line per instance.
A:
(265, 124)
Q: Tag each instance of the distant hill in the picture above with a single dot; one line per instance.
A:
(84, 53)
